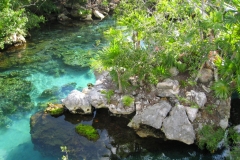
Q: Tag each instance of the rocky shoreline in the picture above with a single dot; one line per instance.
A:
(168, 110)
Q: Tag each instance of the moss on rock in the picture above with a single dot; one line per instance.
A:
(54, 109)
(87, 131)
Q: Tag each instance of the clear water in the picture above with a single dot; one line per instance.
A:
(46, 70)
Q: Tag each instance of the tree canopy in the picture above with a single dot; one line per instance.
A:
(18, 16)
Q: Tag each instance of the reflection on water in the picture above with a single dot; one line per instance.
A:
(117, 141)
(51, 65)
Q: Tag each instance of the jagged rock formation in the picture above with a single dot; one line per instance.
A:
(168, 110)
(178, 127)
(77, 102)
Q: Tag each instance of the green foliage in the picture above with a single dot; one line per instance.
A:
(46, 7)
(108, 94)
(105, 3)
(221, 89)
(34, 20)
(127, 101)
(233, 136)
(87, 131)
(234, 153)
(15, 19)
(233, 139)
(209, 137)
(12, 22)
(209, 109)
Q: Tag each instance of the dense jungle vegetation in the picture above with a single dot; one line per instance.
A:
(152, 36)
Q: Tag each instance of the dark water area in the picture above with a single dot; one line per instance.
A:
(235, 112)
(117, 141)
(54, 62)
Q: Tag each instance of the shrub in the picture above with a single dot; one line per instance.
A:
(127, 101)
(108, 94)
(209, 137)
(221, 89)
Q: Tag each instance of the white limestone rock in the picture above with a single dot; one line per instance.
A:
(167, 88)
(98, 14)
(152, 116)
(178, 127)
(77, 103)
(198, 97)
(192, 113)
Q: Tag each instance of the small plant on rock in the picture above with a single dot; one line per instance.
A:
(209, 109)
(108, 94)
(221, 89)
(127, 101)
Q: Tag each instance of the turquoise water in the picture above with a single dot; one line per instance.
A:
(41, 63)
(54, 60)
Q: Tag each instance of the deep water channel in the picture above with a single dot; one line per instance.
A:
(53, 63)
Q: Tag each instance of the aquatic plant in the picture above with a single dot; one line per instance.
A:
(64, 149)
(87, 131)
(209, 137)
(77, 57)
(14, 96)
(127, 101)
(4, 120)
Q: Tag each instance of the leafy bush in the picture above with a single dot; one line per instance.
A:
(235, 153)
(11, 22)
(127, 101)
(221, 89)
(15, 19)
(209, 137)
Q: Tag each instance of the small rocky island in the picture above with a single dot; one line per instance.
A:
(168, 111)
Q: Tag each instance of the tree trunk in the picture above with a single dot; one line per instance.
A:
(119, 81)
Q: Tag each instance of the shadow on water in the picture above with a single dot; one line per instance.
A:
(117, 141)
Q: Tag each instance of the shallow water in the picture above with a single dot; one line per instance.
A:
(50, 50)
